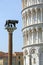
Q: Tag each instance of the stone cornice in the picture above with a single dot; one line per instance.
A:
(33, 25)
(33, 45)
(33, 6)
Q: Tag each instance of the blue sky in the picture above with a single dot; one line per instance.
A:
(11, 9)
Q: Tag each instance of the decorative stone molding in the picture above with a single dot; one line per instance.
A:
(38, 9)
(39, 29)
(26, 52)
(29, 12)
(34, 30)
(33, 10)
(30, 30)
(32, 51)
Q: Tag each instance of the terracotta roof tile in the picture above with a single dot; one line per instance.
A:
(2, 54)
(19, 53)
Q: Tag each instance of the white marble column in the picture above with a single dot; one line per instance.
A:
(42, 35)
(41, 15)
(29, 2)
(31, 17)
(30, 62)
(37, 36)
(29, 59)
(25, 3)
(35, 1)
(27, 19)
(24, 38)
(24, 60)
(28, 38)
(36, 16)
(22, 22)
(32, 36)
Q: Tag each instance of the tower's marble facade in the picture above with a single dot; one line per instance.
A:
(32, 29)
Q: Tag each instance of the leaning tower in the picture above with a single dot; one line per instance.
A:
(32, 29)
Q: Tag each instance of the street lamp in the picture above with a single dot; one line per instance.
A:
(10, 25)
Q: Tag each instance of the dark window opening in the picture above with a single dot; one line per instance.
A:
(19, 57)
(19, 63)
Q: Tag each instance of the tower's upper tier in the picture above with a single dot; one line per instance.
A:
(27, 3)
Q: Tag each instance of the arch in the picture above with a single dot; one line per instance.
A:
(32, 50)
(38, 15)
(39, 35)
(34, 19)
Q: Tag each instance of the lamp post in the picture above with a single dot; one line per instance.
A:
(10, 25)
